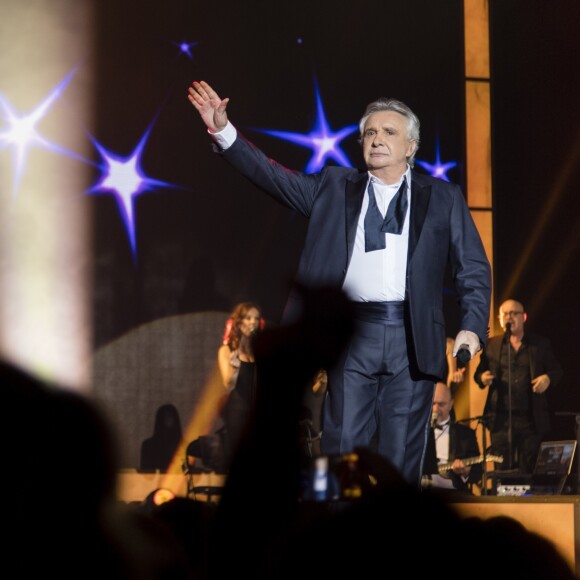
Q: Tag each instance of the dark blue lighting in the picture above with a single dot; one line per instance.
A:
(126, 180)
(322, 140)
(185, 48)
(438, 169)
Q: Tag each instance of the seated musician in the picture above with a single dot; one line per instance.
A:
(453, 460)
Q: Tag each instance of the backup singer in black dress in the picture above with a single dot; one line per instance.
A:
(238, 371)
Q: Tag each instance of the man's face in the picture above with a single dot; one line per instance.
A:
(442, 402)
(512, 312)
(385, 140)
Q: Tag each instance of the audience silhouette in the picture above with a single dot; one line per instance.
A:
(262, 524)
(63, 518)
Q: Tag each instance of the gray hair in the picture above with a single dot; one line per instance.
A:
(384, 104)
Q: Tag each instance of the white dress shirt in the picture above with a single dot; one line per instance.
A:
(379, 276)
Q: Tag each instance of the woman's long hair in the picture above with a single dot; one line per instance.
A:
(233, 332)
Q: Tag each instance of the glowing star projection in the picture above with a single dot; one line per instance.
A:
(323, 142)
(185, 48)
(125, 179)
(438, 169)
(22, 134)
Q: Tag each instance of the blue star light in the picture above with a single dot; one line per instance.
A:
(185, 48)
(323, 142)
(438, 169)
(22, 133)
(125, 179)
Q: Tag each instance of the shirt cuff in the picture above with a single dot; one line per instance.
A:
(226, 137)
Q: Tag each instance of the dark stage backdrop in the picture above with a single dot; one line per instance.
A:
(209, 239)
(536, 161)
(206, 239)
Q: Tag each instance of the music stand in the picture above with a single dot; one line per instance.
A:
(509, 364)
(481, 420)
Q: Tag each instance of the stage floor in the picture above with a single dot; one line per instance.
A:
(556, 518)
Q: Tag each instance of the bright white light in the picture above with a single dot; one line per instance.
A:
(44, 223)
(21, 133)
(125, 179)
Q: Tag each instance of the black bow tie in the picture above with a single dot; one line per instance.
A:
(442, 426)
(376, 226)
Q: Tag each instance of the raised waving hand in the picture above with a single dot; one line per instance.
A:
(210, 107)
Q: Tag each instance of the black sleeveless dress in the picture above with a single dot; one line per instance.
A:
(239, 407)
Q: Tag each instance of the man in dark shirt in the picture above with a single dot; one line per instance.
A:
(518, 369)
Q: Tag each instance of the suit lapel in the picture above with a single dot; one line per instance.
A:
(452, 450)
(355, 191)
(420, 196)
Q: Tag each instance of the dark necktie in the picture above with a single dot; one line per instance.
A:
(376, 226)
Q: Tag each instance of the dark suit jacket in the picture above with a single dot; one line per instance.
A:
(441, 230)
(542, 361)
(462, 445)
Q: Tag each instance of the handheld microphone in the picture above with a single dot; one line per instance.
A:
(434, 417)
(463, 356)
(508, 329)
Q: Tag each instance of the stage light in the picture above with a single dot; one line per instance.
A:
(324, 142)
(46, 107)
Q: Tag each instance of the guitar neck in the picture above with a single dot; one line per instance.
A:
(443, 467)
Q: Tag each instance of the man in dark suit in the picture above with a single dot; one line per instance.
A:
(385, 236)
(518, 367)
(453, 459)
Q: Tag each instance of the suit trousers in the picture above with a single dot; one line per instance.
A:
(372, 395)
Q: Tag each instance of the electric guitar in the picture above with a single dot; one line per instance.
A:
(444, 467)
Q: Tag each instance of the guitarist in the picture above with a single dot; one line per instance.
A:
(450, 442)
